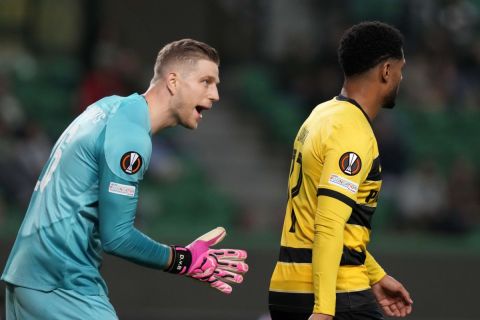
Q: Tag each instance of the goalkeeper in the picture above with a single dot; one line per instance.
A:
(85, 200)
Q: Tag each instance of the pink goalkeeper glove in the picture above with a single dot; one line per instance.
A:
(215, 266)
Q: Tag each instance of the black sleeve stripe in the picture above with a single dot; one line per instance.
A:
(375, 174)
(337, 195)
(362, 216)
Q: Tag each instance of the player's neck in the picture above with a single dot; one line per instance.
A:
(160, 116)
(364, 93)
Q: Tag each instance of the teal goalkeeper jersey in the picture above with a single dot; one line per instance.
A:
(85, 202)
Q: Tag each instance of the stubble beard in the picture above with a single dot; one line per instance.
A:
(390, 100)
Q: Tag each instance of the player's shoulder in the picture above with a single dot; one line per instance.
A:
(129, 113)
(131, 110)
(344, 116)
(127, 144)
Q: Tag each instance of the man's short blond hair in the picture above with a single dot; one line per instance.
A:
(183, 51)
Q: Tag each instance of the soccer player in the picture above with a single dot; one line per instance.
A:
(85, 200)
(324, 270)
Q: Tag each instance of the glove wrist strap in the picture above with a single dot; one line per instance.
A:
(181, 260)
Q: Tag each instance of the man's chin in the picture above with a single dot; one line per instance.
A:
(389, 105)
(191, 126)
(391, 100)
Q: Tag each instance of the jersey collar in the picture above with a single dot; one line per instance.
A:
(355, 103)
(145, 103)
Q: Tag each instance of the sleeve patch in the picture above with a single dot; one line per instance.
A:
(131, 162)
(350, 163)
(122, 189)
(343, 183)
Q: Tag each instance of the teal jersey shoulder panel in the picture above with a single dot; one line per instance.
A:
(128, 145)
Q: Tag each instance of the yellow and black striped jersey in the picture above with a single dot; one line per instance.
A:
(335, 178)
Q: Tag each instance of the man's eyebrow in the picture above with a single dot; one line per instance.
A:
(212, 78)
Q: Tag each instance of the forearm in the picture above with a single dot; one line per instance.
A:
(327, 251)
(119, 237)
(140, 249)
(375, 271)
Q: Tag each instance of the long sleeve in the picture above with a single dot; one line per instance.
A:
(375, 271)
(337, 196)
(330, 220)
(123, 157)
(117, 208)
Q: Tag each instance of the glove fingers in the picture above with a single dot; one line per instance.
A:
(228, 276)
(231, 254)
(220, 285)
(213, 237)
(235, 266)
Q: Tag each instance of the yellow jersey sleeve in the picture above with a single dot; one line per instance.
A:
(327, 251)
(346, 155)
(375, 271)
(347, 158)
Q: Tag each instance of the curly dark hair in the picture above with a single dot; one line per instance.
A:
(366, 44)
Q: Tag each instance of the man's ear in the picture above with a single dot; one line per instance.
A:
(385, 69)
(172, 83)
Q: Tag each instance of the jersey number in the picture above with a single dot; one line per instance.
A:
(57, 155)
(296, 189)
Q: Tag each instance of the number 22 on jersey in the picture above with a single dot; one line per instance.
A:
(295, 171)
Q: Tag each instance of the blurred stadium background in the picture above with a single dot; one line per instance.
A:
(278, 62)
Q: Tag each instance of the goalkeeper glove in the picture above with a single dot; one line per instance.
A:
(217, 267)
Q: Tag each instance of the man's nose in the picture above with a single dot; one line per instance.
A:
(213, 94)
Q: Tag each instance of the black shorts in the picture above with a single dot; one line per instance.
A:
(350, 306)
(353, 315)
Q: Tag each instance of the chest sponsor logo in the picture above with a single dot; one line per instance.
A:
(350, 163)
(131, 162)
(121, 189)
(343, 183)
